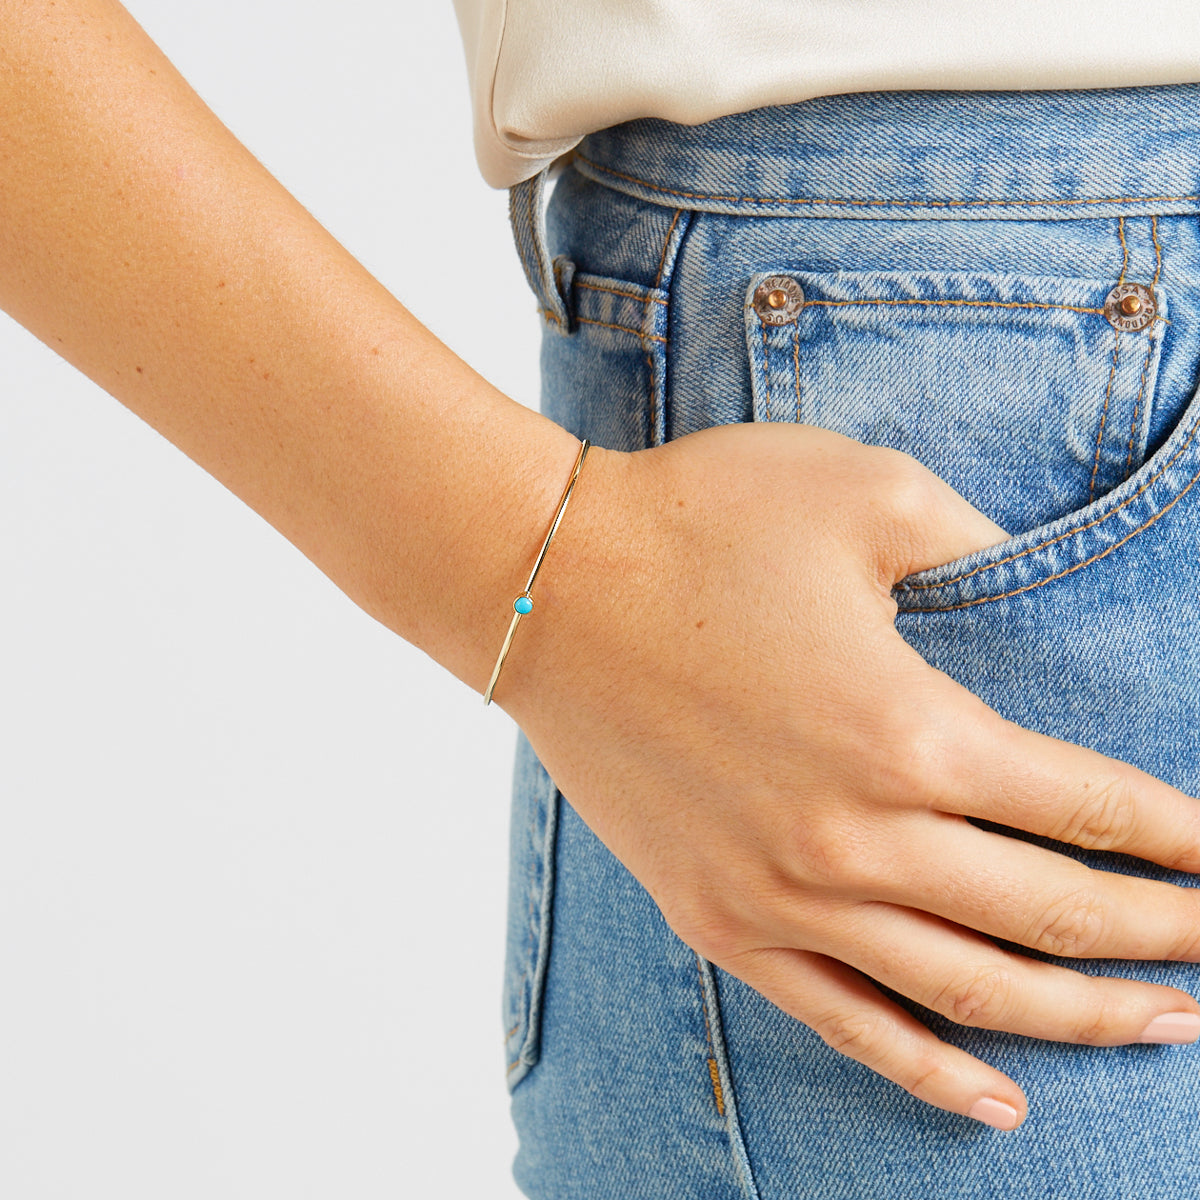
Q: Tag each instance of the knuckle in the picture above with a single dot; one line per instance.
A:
(857, 1035)
(925, 763)
(833, 854)
(1073, 927)
(1106, 818)
(1188, 856)
(1187, 947)
(908, 487)
(924, 1078)
(981, 999)
(1098, 1027)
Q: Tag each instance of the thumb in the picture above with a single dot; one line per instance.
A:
(938, 526)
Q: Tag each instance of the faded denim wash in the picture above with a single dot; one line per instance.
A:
(955, 251)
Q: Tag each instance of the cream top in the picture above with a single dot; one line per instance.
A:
(544, 73)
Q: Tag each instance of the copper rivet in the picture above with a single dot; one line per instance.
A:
(1131, 307)
(778, 299)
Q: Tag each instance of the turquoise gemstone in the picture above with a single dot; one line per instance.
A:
(523, 604)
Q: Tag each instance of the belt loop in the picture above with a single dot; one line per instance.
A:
(549, 278)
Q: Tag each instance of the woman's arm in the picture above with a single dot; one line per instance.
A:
(142, 242)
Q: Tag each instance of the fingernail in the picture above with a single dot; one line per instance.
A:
(995, 1113)
(1175, 1028)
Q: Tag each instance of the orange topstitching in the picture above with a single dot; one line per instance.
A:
(1112, 372)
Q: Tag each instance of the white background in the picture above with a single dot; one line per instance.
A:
(252, 845)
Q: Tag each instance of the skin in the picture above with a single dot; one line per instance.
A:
(143, 243)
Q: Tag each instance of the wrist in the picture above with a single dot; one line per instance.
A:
(458, 542)
(599, 563)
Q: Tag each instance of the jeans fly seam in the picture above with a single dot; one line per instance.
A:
(1157, 252)
(1112, 374)
(668, 260)
(1124, 249)
(662, 258)
(917, 587)
(903, 203)
(1029, 587)
(650, 380)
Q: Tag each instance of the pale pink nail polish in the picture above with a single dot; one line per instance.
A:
(1175, 1028)
(995, 1113)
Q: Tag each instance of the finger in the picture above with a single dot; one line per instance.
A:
(970, 980)
(1007, 888)
(1027, 780)
(854, 1017)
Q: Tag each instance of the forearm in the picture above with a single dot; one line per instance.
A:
(142, 242)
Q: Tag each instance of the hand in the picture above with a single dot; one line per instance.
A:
(716, 684)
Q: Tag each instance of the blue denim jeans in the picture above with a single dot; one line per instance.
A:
(947, 274)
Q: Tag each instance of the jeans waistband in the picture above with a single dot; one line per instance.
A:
(1066, 155)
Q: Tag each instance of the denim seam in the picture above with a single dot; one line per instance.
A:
(657, 418)
(916, 587)
(1029, 587)
(796, 363)
(723, 1080)
(662, 258)
(905, 203)
(1124, 250)
(650, 337)
(1112, 374)
(1095, 312)
(595, 287)
(766, 367)
(1137, 404)
(673, 243)
(714, 1070)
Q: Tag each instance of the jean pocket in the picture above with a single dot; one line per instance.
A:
(532, 830)
(1074, 541)
(1016, 390)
